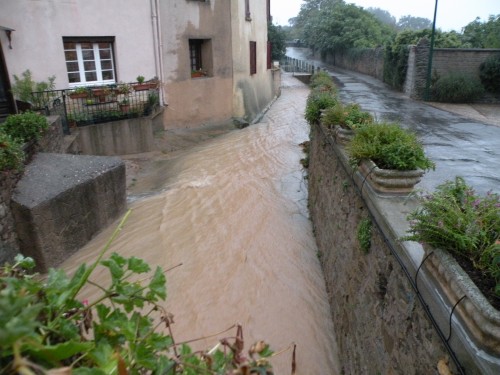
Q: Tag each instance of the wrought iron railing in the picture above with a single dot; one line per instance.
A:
(292, 65)
(98, 104)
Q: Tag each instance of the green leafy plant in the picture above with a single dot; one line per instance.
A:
(45, 326)
(456, 219)
(365, 234)
(317, 101)
(25, 126)
(140, 79)
(389, 146)
(322, 81)
(349, 116)
(11, 153)
(489, 73)
(457, 88)
(30, 91)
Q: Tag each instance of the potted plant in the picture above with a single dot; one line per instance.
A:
(141, 85)
(198, 73)
(79, 93)
(389, 157)
(124, 105)
(460, 232)
(343, 120)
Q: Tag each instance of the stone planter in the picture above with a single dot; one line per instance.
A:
(342, 135)
(481, 320)
(389, 181)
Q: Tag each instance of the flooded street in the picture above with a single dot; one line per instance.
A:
(233, 211)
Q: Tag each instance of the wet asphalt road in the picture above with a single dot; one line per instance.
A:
(459, 146)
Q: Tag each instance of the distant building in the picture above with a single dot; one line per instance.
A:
(211, 56)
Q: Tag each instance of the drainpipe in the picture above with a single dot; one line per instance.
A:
(158, 45)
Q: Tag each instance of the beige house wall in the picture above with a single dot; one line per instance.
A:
(195, 101)
(40, 26)
(251, 93)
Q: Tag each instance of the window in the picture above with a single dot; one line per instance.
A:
(200, 57)
(253, 58)
(89, 61)
(248, 15)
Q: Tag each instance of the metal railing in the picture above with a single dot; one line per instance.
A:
(97, 104)
(291, 65)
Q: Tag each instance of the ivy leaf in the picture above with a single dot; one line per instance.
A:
(115, 267)
(157, 288)
(24, 262)
(138, 265)
(62, 351)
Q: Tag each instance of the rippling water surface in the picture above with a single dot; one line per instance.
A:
(233, 211)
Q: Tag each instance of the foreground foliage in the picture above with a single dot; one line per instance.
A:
(349, 116)
(44, 325)
(456, 219)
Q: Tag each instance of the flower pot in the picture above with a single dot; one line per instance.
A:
(143, 86)
(197, 74)
(78, 95)
(389, 181)
(125, 108)
(481, 320)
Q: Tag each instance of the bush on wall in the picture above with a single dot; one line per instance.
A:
(489, 72)
(11, 153)
(457, 88)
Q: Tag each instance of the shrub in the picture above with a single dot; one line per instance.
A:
(455, 219)
(457, 88)
(24, 87)
(489, 73)
(350, 116)
(316, 101)
(322, 81)
(125, 330)
(11, 153)
(25, 126)
(389, 146)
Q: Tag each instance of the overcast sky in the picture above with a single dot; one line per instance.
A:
(452, 14)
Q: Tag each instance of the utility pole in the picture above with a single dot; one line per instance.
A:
(431, 53)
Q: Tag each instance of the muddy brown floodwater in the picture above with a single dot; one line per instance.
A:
(233, 211)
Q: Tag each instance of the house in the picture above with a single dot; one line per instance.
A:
(210, 55)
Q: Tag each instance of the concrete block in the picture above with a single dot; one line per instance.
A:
(63, 200)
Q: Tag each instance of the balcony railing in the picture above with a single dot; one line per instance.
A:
(97, 104)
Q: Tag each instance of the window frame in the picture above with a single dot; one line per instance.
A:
(97, 59)
(253, 57)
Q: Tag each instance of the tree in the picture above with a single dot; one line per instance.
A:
(383, 15)
(276, 36)
(479, 34)
(340, 26)
(414, 23)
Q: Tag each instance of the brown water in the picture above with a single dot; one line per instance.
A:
(233, 211)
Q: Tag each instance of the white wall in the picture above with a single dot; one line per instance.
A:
(40, 25)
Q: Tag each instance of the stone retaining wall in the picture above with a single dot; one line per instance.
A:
(380, 325)
(380, 322)
(368, 61)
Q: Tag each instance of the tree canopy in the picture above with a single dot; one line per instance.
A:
(329, 25)
(479, 34)
(413, 23)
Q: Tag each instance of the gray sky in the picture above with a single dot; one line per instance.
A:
(452, 14)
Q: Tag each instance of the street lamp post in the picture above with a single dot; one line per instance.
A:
(431, 52)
